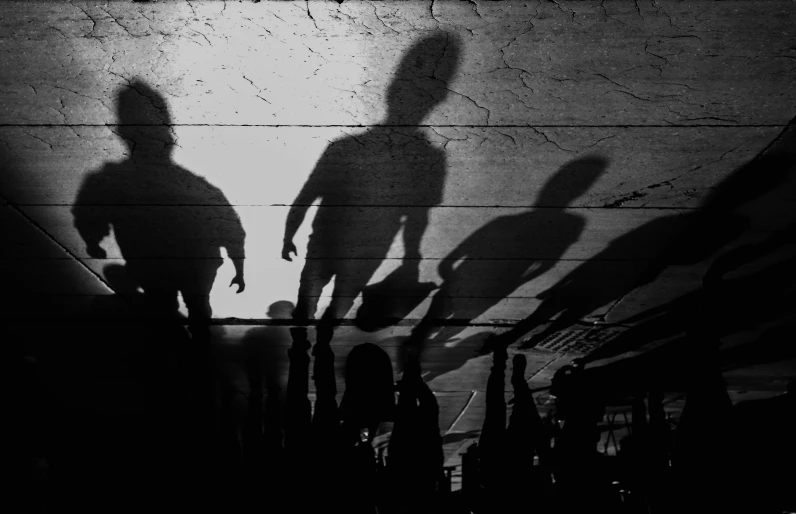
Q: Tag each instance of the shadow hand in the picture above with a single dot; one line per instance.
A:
(287, 248)
(238, 280)
(96, 252)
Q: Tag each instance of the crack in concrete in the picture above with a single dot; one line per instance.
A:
(376, 14)
(190, 6)
(602, 139)
(606, 78)
(307, 4)
(431, 11)
(109, 15)
(34, 136)
(475, 8)
(488, 112)
(93, 21)
(548, 140)
(513, 140)
(639, 193)
(572, 12)
(633, 95)
(608, 16)
(58, 30)
(259, 90)
(659, 9)
(638, 10)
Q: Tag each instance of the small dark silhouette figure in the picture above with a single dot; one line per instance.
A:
(369, 400)
(492, 443)
(264, 353)
(508, 252)
(372, 186)
(703, 463)
(341, 438)
(580, 474)
(267, 345)
(169, 223)
(415, 461)
(526, 437)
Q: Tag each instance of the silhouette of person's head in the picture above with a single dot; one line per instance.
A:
(369, 388)
(143, 117)
(421, 80)
(280, 310)
(571, 181)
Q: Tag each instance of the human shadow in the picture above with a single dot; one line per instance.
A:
(372, 186)
(640, 256)
(746, 300)
(506, 454)
(507, 253)
(262, 448)
(415, 461)
(336, 439)
(169, 223)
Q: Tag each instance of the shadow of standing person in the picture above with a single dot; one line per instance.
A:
(415, 455)
(504, 254)
(169, 223)
(261, 435)
(672, 240)
(372, 186)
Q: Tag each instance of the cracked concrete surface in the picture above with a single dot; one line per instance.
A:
(536, 63)
(674, 95)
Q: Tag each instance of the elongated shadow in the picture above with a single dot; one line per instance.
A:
(503, 255)
(682, 240)
(169, 223)
(372, 186)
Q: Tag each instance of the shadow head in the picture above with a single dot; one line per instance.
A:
(143, 117)
(421, 80)
(369, 386)
(280, 310)
(572, 181)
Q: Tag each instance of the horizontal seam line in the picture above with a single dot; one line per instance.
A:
(297, 125)
(369, 206)
(260, 257)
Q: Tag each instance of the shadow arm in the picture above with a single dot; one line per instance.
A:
(91, 219)
(414, 227)
(233, 240)
(298, 210)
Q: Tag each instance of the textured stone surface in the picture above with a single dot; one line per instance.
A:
(674, 97)
(318, 63)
